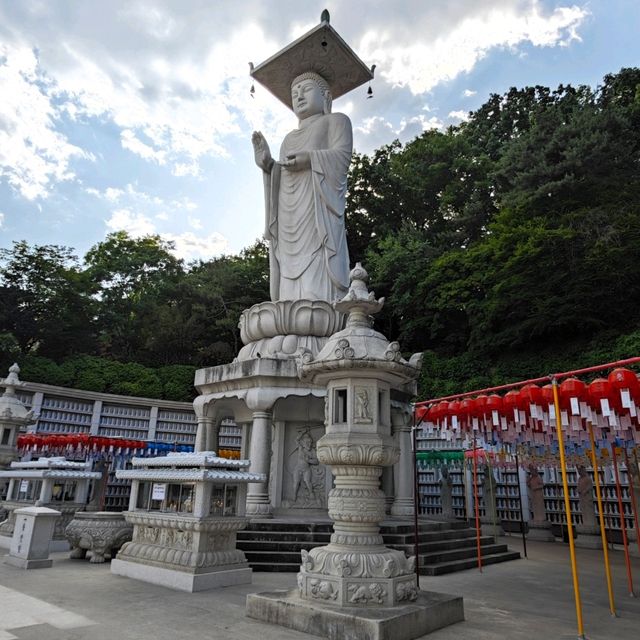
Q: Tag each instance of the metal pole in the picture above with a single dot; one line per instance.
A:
(623, 524)
(524, 537)
(603, 533)
(477, 506)
(415, 496)
(567, 508)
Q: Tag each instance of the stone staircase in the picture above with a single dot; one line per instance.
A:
(443, 547)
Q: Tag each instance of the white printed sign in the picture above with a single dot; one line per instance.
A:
(159, 491)
(24, 486)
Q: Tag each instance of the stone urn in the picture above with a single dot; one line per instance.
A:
(100, 532)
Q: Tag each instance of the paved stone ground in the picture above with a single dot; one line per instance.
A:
(75, 600)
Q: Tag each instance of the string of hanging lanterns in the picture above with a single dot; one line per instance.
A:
(611, 405)
(83, 444)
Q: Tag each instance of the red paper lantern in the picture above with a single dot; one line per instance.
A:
(510, 402)
(528, 395)
(421, 413)
(598, 390)
(547, 394)
(493, 403)
(468, 408)
(481, 406)
(453, 409)
(623, 379)
(572, 388)
(439, 411)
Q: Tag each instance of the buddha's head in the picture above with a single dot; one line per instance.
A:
(310, 95)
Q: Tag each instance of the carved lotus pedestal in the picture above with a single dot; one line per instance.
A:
(279, 329)
(101, 533)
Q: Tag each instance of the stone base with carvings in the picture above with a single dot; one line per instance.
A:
(428, 612)
(101, 533)
(183, 552)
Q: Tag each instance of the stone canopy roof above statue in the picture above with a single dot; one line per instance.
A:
(320, 50)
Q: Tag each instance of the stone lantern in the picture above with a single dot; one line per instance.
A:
(13, 416)
(349, 582)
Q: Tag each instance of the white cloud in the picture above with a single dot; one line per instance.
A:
(194, 223)
(135, 224)
(188, 246)
(421, 65)
(459, 115)
(468, 93)
(1, 220)
(163, 215)
(33, 155)
(135, 145)
(172, 80)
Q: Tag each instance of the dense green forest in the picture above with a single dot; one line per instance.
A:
(507, 247)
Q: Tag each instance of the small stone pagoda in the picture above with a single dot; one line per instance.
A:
(355, 587)
(186, 509)
(56, 483)
(13, 417)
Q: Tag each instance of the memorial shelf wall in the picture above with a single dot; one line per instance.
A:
(64, 411)
(508, 510)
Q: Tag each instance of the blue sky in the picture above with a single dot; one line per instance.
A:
(136, 115)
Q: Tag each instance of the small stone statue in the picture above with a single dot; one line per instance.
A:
(302, 471)
(489, 492)
(585, 495)
(446, 490)
(535, 484)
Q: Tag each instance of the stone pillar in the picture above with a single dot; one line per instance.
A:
(82, 491)
(95, 418)
(213, 430)
(403, 502)
(153, 422)
(46, 491)
(258, 502)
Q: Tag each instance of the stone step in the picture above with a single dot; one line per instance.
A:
(443, 545)
(460, 554)
(283, 536)
(288, 525)
(264, 543)
(407, 528)
(468, 563)
(276, 567)
(273, 557)
(443, 534)
(276, 545)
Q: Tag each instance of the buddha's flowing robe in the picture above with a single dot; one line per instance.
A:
(305, 227)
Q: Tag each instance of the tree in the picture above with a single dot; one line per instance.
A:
(46, 305)
(136, 282)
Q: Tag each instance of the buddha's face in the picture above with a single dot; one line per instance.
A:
(307, 98)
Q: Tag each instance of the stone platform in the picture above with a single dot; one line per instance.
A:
(429, 612)
(182, 580)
